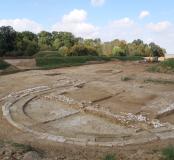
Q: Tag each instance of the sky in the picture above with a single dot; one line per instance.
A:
(149, 20)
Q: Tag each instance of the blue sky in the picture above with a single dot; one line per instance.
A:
(150, 20)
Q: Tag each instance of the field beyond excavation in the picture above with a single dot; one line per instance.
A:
(87, 112)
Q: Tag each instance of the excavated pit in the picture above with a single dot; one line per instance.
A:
(92, 111)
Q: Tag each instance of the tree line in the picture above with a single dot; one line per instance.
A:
(26, 43)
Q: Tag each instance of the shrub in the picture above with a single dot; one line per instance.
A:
(168, 153)
(126, 78)
(110, 157)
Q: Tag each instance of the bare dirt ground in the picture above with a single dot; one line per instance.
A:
(22, 63)
(111, 106)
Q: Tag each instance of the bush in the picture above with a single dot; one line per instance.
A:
(3, 64)
(168, 153)
(126, 78)
(110, 157)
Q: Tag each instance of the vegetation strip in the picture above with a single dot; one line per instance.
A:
(159, 81)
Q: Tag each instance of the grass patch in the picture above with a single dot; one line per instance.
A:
(128, 58)
(3, 64)
(159, 81)
(56, 62)
(126, 78)
(110, 157)
(25, 148)
(47, 54)
(168, 153)
(164, 67)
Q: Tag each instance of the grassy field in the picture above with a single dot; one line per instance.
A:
(128, 58)
(52, 59)
(3, 64)
(55, 62)
(164, 67)
(47, 54)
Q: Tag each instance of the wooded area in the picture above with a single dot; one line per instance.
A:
(16, 44)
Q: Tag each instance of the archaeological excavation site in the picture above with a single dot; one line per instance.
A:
(101, 105)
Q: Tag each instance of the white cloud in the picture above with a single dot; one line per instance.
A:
(144, 14)
(97, 2)
(125, 22)
(75, 16)
(75, 22)
(159, 27)
(124, 28)
(161, 33)
(22, 24)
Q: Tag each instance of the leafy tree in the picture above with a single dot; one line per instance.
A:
(82, 50)
(45, 40)
(61, 39)
(7, 39)
(157, 51)
(64, 51)
(118, 51)
(26, 44)
(94, 43)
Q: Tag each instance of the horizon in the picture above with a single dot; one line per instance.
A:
(105, 19)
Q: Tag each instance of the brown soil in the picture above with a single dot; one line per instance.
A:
(103, 87)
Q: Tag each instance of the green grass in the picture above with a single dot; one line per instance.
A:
(128, 58)
(168, 153)
(52, 61)
(47, 54)
(126, 78)
(110, 157)
(164, 67)
(3, 64)
(25, 148)
(159, 81)
(55, 62)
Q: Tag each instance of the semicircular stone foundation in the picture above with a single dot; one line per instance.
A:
(56, 113)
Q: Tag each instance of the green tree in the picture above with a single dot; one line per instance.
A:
(7, 39)
(26, 44)
(94, 43)
(82, 50)
(118, 51)
(45, 40)
(64, 51)
(157, 51)
(61, 39)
